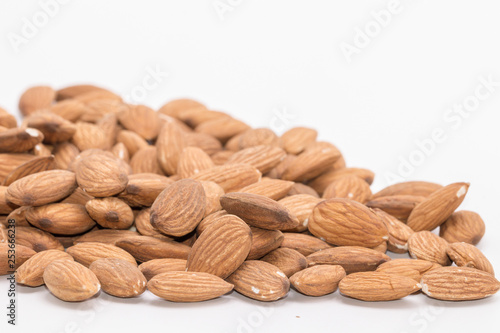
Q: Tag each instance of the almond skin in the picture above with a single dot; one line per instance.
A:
(260, 280)
(140, 119)
(101, 175)
(262, 157)
(143, 189)
(188, 286)
(467, 255)
(272, 188)
(145, 248)
(318, 280)
(428, 246)
(88, 252)
(213, 192)
(413, 268)
(287, 260)
(301, 205)
(41, 188)
(459, 284)
(399, 206)
(321, 183)
(19, 140)
(303, 243)
(38, 164)
(257, 137)
(349, 187)
(155, 267)
(438, 207)
(107, 236)
(31, 272)
(9, 162)
(60, 218)
(222, 128)
(179, 208)
(118, 277)
(145, 160)
(414, 188)
(231, 177)
(110, 213)
(170, 145)
(463, 226)
(21, 253)
(54, 128)
(263, 242)
(352, 258)
(347, 222)
(377, 286)
(221, 248)
(36, 98)
(259, 211)
(36, 239)
(70, 281)
(193, 160)
(399, 233)
(295, 140)
(143, 224)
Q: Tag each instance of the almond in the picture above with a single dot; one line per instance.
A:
(299, 188)
(272, 188)
(206, 142)
(60, 218)
(9, 162)
(179, 208)
(318, 280)
(11, 258)
(76, 90)
(145, 160)
(54, 128)
(221, 248)
(79, 197)
(347, 222)
(262, 157)
(70, 281)
(295, 140)
(352, 258)
(467, 255)
(414, 188)
(412, 268)
(260, 280)
(145, 248)
(31, 272)
(277, 171)
(69, 109)
(311, 163)
(208, 220)
(438, 207)
(188, 286)
(140, 119)
(89, 136)
(143, 189)
(377, 286)
(64, 154)
(463, 226)
(259, 211)
(36, 239)
(193, 160)
(6, 207)
(198, 115)
(119, 277)
(399, 206)
(18, 140)
(349, 187)
(176, 106)
(107, 236)
(303, 243)
(231, 177)
(257, 137)
(88, 252)
(287, 260)
(170, 145)
(38, 164)
(143, 224)
(36, 98)
(7, 120)
(301, 205)
(459, 284)
(213, 192)
(222, 128)
(158, 266)
(399, 233)
(263, 242)
(428, 246)
(133, 142)
(110, 213)
(321, 183)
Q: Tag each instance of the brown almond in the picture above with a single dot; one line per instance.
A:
(78, 196)
(399, 206)
(143, 224)
(9, 162)
(321, 183)
(263, 242)
(69, 109)
(121, 152)
(193, 160)
(170, 145)
(277, 171)
(38, 164)
(60, 218)
(145, 248)
(231, 177)
(88, 252)
(295, 140)
(37, 239)
(54, 128)
(213, 192)
(272, 188)
(76, 90)
(158, 266)
(176, 106)
(301, 205)
(12, 256)
(221, 248)
(198, 115)
(303, 243)
(110, 213)
(7, 120)
(143, 189)
(262, 157)
(188, 286)
(287, 260)
(318, 280)
(64, 154)
(467, 255)
(119, 277)
(6, 207)
(377, 286)
(463, 226)
(352, 258)
(299, 188)
(428, 246)
(36, 98)
(311, 163)
(206, 142)
(70, 281)
(259, 211)
(208, 220)
(107, 236)
(415, 188)
(349, 187)
(19, 140)
(145, 160)
(222, 128)
(89, 136)
(422, 266)
(438, 207)
(399, 233)
(140, 119)
(257, 137)
(132, 141)
(31, 272)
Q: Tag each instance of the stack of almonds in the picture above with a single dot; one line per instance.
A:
(191, 203)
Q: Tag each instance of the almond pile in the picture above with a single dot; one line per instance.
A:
(190, 203)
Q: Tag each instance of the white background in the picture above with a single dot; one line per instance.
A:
(280, 64)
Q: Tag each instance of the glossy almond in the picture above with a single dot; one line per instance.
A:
(70, 281)
(352, 258)
(463, 226)
(118, 277)
(188, 286)
(259, 211)
(88, 252)
(260, 280)
(145, 248)
(101, 175)
(31, 272)
(428, 246)
(60, 218)
(318, 280)
(347, 222)
(438, 207)
(155, 267)
(467, 255)
(221, 248)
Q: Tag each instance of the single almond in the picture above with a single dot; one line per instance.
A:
(428, 246)
(262, 157)
(140, 119)
(193, 160)
(413, 268)
(463, 226)
(321, 182)
(155, 267)
(19, 140)
(231, 177)
(31, 272)
(263, 242)
(37, 239)
(54, 128)
(145, 248)
(9, 162)
(415, 188)
(145, 160)
(13, 256)
(64, 154)
(36, 98)
(107, 236)
(399, 206)
(318, 280)
(272, 188)
(143, 189)
(222, 128)
(133, 142)
(170, 145)
(90, 136)
(287, 260)
(467, 255)
(399, 233)
(311, 163)
(295, 140)
(110, 213)
(38, 164)
(349, 187)
(88, 252)
(301, 205)
(213, 192)
(60, 218)
(176, 106)
(299, 188)
(305, 244)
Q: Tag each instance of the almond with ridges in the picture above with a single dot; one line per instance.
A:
(88, 252)
(118, 277)
(463, 226)
(31, 272)
(60, 218)
(428, 246)
(318, 280)
(305, 244)
(154, 267)
(287, 260)
(145, 248)
(110, 213)
(467, 255)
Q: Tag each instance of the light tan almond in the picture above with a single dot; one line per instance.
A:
(272, 188)
(262, 157)
(260, 280)
(303, 243)
(158, 266)
(193, 160)
(399, 206)
(7, 120)
(76, 90)
(459, 284)
(213, 192)
(321, 183)
(12, 256)
(132, 141)
(36, 98)
(311, 163)
(295, 140)
(140, 119)
(259, 211)
(263, 242)
(41, 188)
(415, 188)
(221, 248)
(422, 266)
(287, 260)
(60, 218)
(399, 233)
(318, 280)
(107, 236)
(64, 154)
(463, 226)
(277, 171)
(145, 248)
(69, 109)
(299, 188)
(101, 175)
(377, 286)
(349, 187)
(31, 272)
(428, 246)
(231, 177)
(89, 136)
(19, 140)
(347, 222)
(119, 277)
(438, 207)
(301, 205)
(206, 142)
(257, 137)
(352, 258)
(70, 281)
(188, 286)
(38, 164)
(176, 106)
(121, 152)
(54, 128)
(110, 213)
(467, 255)
(198, 115)
(222, 128)
(145, 160)
(170, 145)
(88, 252)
